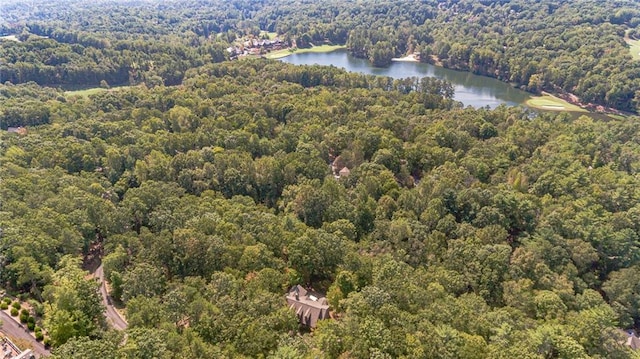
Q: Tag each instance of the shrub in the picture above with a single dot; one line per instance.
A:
(38, 330)
(14, 312)
(16, 305)
(31, 320)
(37, 308)
(31, 326)
(4, 306)
(7, 300)
(24, 312)
(24, 318)
(40, 336)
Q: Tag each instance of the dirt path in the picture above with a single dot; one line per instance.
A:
(15, 330)
(113, 317)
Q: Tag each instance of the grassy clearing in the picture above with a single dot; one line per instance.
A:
(286, 52)
(634, 47)
(616, 117)
(552, 103)
(10, 38)
(85, 92)
(91, 91)
(279, 53)
(272, 35)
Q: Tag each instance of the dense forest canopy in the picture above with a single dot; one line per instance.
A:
(574, 47)
(208, 187)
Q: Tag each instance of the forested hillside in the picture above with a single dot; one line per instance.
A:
(207, 188)
(574, 47)
(458, 233)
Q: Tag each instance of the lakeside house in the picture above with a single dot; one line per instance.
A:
(310, 307)
(256, 47)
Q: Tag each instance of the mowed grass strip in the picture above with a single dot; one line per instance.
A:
(634, 47)
(92, 91)
(271, 35)
(549, 102)
(286, 52)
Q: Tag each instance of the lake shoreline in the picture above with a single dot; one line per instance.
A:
(470, 89)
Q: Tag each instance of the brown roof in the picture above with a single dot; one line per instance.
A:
(19, 130)
(632, 340)
(309, 306)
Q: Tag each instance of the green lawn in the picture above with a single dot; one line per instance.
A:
(279, 54)
(634, 47)
(10, 37)
(617, 117)
(91, 91)
(549, 102)
(272, 35)
(286, 52)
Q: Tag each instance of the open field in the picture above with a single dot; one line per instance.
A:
(286, 52)
(92, 91)
(617, 117)
(634, 47)
(85, 92)
(550, 102)
(10, 37)
(272, 35)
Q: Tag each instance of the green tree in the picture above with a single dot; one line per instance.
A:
(316, 254)
(74, 307)
(142, 280)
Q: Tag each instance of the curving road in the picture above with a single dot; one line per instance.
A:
(15, 330)
(113, 317)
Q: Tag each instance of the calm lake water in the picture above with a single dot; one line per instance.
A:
(471, 90)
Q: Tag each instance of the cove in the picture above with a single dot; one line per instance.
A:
(472, 90)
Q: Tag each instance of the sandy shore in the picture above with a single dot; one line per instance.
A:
(408, 58)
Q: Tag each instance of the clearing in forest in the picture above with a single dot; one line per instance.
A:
(286, 52)
(634, 46)
(92, 91)
(271, 35)
(550, 102)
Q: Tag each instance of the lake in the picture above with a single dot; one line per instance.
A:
(471, 90)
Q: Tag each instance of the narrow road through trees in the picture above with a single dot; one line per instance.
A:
(113, 317)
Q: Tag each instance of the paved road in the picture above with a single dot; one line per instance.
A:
(113, 317)
(15, 330)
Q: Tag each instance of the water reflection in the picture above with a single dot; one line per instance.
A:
(471, 90)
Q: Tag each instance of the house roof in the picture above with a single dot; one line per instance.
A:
(309, 306)
(632, 340)
(19, 130)
(344, 171)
